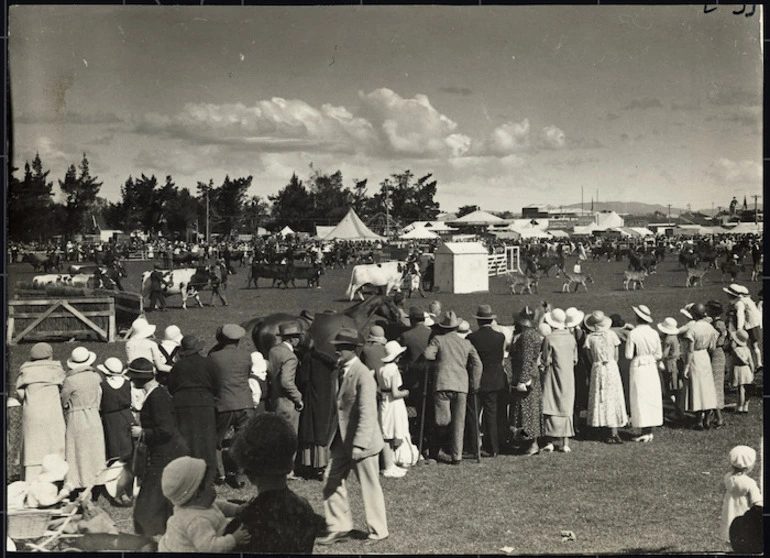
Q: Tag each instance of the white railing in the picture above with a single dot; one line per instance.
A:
(498, 264)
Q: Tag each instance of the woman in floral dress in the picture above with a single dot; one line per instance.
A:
(606, 401)
(718, 359)
(527, 412)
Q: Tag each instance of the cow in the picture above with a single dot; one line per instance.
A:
(66, 279)
(386, 274)
(688, 259)
(694, 275)
(187, 282)
(576, 278)
(274, 271)
(310, 272)
(635, 278)
(545, 263)
(41, 260)
(731, 268)
(86, 268)
(516, 279)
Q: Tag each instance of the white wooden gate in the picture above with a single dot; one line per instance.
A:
(505, 263)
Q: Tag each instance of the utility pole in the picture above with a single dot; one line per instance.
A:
(207, 215)
(387, 211)
(669, 213)
(755, 196)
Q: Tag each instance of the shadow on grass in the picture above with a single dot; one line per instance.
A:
(648, 550)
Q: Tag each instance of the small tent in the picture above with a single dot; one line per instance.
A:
(352, 228)
(286, 231)
(321, 231)
(419, 233)
(478, 218)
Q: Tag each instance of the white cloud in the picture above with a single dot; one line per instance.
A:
(735, 172)
(508, 138)
(553, 137)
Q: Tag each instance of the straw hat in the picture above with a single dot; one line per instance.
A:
(141, 329)
(544, 330)
(686, 310)
(258, 363)
(41, 351)
(53, 468)
(643, 312)
(81, 357)
(741, 337)
(392, 350)
(173, 333)
(464, 328)
(573, 317)
(449, 321)
(736, 290)
(669, 326)
(115, 476)
(556, 318)
(597, 320)
(742, 457)
(112, 366)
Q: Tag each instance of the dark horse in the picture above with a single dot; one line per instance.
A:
(376, 309)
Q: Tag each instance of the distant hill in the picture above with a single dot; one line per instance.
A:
(632, 208)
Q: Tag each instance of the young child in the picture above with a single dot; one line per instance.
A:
(393, 415)
(199, 522)
(741, 491)
(279, 521)
(743, 373)
(669, 364)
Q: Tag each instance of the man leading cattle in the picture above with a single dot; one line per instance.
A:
(156, 289)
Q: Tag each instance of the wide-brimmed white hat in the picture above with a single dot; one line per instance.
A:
(53, 468)
(669, 326)
(643, 312)
(112, 366)
(258, 363)
(742, 337)
(598, 320)
(428, 320)
(173, 333)
(116, 478)
(81, 357)
(573, 317)
(142, 329)
(686, 310)
(392, 350)
(556, 318)
(736, 290)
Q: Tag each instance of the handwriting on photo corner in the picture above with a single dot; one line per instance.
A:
(707, 9)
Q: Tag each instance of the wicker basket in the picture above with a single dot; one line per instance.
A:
(28, 524)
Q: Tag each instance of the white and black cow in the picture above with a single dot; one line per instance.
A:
(387, 274)
(187, 282)
(67, 279)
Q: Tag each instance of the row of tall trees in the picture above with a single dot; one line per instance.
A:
(162, 207)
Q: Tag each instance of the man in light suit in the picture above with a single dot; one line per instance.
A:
(356, 441)
(285, 398)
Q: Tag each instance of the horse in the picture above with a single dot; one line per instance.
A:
(376, 309)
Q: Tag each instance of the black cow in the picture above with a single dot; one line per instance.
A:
(311, 272)
(274, 271)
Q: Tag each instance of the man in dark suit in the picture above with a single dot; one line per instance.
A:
(490, 345)
(234, 404)
(157, 282)
(356, 442)
(193, 384)
(417, 369)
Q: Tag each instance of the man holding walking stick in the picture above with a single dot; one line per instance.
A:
(458, 371)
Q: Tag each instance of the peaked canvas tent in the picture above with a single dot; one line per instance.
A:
(321, 231)
(419, 233)
(286, 231)
(352, 228)
(478, 217)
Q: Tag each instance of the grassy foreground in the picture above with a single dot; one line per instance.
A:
(635, 498)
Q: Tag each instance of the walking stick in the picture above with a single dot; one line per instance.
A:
(474, 404)
(424, 404)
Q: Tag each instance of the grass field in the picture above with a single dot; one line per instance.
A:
(635, 498)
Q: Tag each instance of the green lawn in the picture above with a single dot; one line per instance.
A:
(635, 498)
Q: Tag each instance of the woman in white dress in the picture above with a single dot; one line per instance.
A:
(643, 349)
(393, 416)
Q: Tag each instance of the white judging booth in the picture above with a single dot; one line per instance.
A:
(462, 267)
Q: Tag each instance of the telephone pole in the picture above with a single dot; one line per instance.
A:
(669, 213)
(755, 196)
(207, 215)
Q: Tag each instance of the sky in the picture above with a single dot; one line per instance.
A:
(505, 106)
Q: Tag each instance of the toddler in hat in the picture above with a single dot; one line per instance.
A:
(199, 520)
(279, 521)
(741, 491)
(743, 369)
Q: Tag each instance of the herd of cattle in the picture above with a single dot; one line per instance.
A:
(696, 261)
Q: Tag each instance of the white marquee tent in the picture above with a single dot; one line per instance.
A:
(352, 228)
(287, 230)
(419, 233)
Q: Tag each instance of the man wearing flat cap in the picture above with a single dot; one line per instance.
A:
(458, 372)
(285, 397)
(234, 404)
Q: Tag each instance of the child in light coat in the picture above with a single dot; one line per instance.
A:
(741, 491)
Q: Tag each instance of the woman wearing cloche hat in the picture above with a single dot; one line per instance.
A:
(42, 425)
(643, 349)
(81, 398)
(117, 417)
(606, 402)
